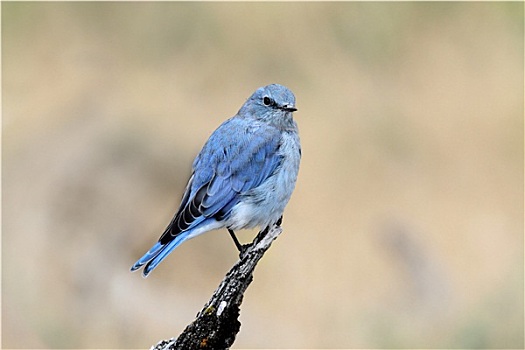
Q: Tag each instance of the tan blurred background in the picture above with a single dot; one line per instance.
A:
(406, 226)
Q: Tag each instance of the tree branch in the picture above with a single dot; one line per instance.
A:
(217, 324)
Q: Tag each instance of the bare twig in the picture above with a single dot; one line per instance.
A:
(217, 324)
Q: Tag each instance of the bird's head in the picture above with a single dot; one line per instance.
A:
(273, 103)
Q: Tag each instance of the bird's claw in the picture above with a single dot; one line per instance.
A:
(244, 250)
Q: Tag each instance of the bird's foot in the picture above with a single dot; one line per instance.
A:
(244, 250)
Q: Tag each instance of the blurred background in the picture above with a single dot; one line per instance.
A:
(406, 226)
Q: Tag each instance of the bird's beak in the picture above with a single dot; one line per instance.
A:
(289, 108)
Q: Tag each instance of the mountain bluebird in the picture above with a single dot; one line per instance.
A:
(242, 178)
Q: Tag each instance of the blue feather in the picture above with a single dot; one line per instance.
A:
(242, 155)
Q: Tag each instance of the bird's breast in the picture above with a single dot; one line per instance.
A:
(264, 205)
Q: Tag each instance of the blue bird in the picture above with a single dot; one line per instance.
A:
(242, 178)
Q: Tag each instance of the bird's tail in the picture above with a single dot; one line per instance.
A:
(157, 253)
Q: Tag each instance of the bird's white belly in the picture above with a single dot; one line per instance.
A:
(264, 205)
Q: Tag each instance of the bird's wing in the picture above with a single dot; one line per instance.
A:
(237, 157)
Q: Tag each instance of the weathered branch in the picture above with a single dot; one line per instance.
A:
(217, 324)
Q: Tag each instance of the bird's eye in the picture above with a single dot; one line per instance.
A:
(267, 101)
